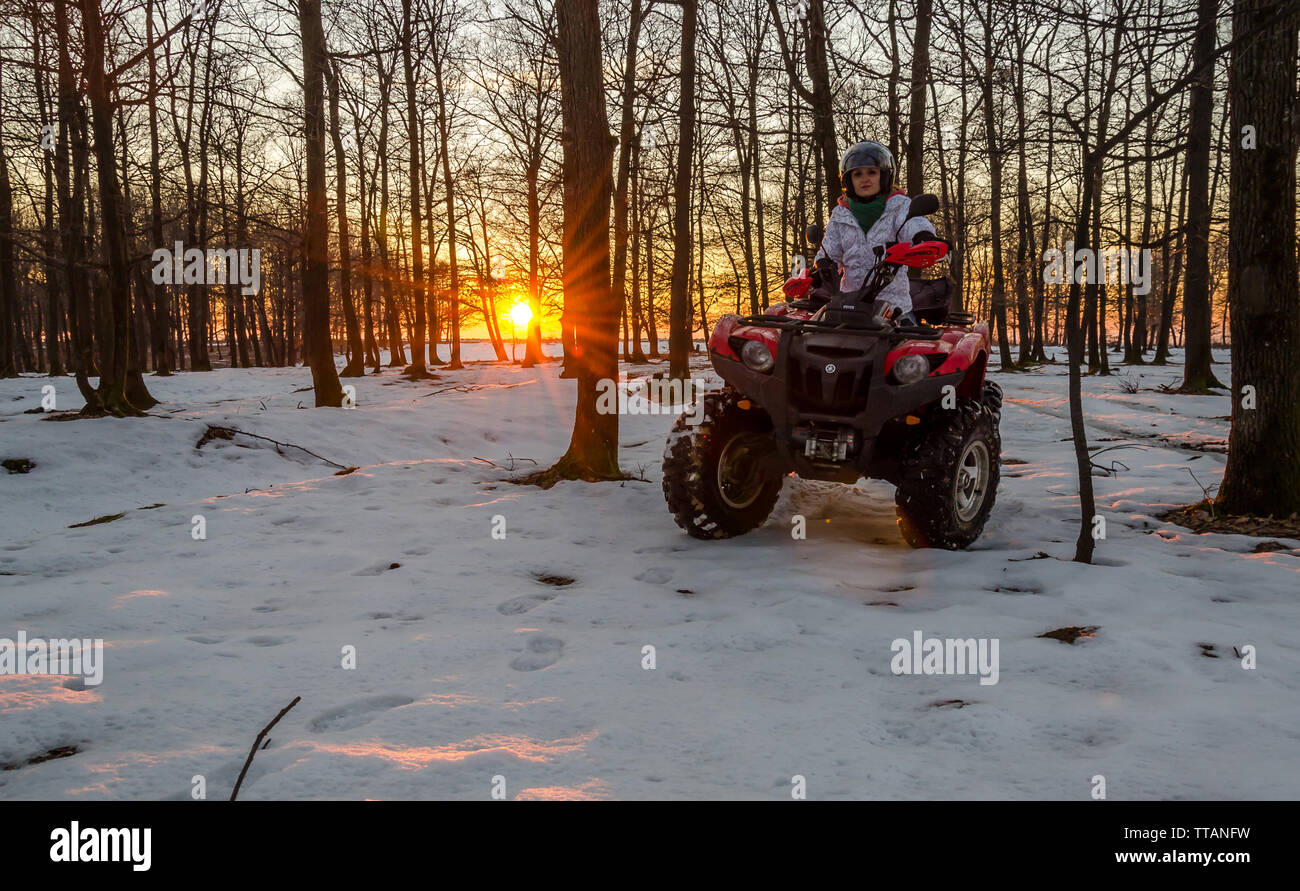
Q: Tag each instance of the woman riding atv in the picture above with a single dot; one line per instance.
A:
(868, 215)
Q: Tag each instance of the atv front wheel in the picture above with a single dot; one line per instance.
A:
(715, 481)
(991, 396)
(949, 477)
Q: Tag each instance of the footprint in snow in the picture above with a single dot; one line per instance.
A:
(205, 639)
(655, 575)
(265, 640)
(354, 714)
(543, 652)
(517, 605)
(377, 568)
(401, 617)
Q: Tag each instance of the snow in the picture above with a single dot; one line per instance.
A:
(772, 654)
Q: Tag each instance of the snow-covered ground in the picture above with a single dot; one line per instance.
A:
(773, 655)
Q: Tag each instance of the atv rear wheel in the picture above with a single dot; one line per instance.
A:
(715, 481)
(949, 477)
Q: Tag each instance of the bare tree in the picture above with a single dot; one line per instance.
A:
(8, 274)
(114, 308)
(315, 282)
(356, 366)
(588, 184)
(1263, 471)
(1198, 376)
(679, 313)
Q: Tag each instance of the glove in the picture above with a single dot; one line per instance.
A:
(921, 237)
(825, 271)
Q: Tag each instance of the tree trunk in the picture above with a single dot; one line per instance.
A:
(115, 350)
(1262, 476)
(396, 355)
(819, 97)
(356, 366)
(652, 322)
(587, 187)
(638, 354)
(679, 310)
(1099, 301)
(1084, 543)
(626, 137)
(365, 191)
(916, 117)
(453, 269)
(756, 165)
(1172, 276)
(1025, 239)
(200, 313)
(163, 359)
(431, 300)
(1198, 377)
(72, 227)
(417, 366)
(8, 272)
(315, 282)
(995, 195)
(533, 355)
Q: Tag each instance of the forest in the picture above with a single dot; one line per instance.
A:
(442, 166)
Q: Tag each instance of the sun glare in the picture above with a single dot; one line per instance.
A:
(521, 314)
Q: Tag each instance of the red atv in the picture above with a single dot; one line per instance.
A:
(831, 387)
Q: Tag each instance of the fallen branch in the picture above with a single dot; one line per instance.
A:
(107, 518)
(219, 432)
(470, 389)
(461, 387)
(253, 751)
(1124, 446)
(512, 458)
(1113, 470)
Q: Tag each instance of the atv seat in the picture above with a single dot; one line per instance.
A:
(931, 298)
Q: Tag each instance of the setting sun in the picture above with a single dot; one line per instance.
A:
(521, 314)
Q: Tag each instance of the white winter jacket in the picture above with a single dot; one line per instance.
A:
(854, 250)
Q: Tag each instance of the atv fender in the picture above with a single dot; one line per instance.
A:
(718, 340)
(731, 325)
(972, 385)
(969, 354)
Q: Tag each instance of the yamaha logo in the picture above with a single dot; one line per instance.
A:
(830, 369)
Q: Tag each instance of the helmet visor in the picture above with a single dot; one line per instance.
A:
(866, 154)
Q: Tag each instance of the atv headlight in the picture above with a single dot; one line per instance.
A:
(910, 369)
(757, 356)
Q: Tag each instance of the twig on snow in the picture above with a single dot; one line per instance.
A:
(1113, 470)
(1205, 491)
(461, 387)
(219, 432)
(257, 742)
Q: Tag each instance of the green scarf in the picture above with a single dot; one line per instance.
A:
(867, 212)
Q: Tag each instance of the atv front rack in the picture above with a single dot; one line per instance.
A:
(893, 332)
